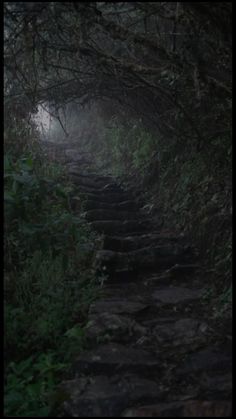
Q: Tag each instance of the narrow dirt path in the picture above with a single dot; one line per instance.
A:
(153, 351)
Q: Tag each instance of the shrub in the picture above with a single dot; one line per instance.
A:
(49, 282)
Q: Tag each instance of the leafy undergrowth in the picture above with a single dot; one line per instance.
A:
(121, 149)
(50, 282)
(195, 197)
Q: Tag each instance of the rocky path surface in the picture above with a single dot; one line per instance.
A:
(153, 352)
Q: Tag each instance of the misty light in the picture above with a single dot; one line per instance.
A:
(42, 119)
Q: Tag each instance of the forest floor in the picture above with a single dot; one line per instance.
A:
(153, 348)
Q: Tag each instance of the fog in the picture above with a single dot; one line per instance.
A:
(43, 121)
(72, 123)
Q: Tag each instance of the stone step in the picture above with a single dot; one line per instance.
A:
(183, 332)
(173, 295)
(127, 205)
(186, 408)
(209, 370)
(114, 358)
(107, 197)
(112, 214)
(100, 186)
(73, 155)
(118, 305)
(215, 358)
(102, 396)
(91, 176)
(217, 384)
(168, 332)
(108, 327)
(97, 190)
(96, 183)
(129, 243)
(95, 180)
(160, 257)
(121, 227)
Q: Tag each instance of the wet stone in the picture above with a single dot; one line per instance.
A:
(128, 205)
(89, 176)
(176, 295)
(108, 197)
(101, 396)
(117, 306)
(183, 331)
(74, 156)
(145, 258)
(107, 326)
(129, 243)
(190, 408)
(102, 214)
(110, 358)
(121, 227)
(215, 383)
(209, 359)
(94, 204)
(93, 182)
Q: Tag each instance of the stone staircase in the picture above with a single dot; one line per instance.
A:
(153, 351)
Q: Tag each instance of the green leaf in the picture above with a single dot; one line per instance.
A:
(21, 366)
(7, 163)
(13, 398)
(24, 178)
(9, 197)
(74, 332)
(43, 411)
(27, 164)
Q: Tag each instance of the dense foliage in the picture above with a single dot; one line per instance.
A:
(49, 281)
(168, 62)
